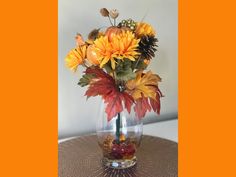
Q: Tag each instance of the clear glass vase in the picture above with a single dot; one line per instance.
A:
(119, 138)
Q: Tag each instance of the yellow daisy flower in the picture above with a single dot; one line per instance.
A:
(75, 57)
(121, 46)
(144, 29)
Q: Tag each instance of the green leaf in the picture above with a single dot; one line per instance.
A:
(125, 75)
(85, 80)
(107, 67)
(124, 70)
(139, 65)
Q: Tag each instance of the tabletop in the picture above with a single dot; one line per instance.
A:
(81, 157)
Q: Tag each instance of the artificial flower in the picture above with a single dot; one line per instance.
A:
(125, 45)
(103, 50)
(144, 29)
(121, 46)
(75, 57)
(115, 62)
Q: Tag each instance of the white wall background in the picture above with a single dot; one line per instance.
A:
(77, 116)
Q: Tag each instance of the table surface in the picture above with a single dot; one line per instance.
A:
(81, 157)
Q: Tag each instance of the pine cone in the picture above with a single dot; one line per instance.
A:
(147, 46)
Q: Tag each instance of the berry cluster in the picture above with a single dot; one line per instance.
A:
(128, 23)
(124, 150)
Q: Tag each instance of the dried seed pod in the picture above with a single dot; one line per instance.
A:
(114, 13)
(104, 12)
(93, 34)
(79, 39)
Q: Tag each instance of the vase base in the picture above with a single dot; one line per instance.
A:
(119, 164)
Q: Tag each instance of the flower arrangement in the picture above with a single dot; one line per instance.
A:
(115, 61)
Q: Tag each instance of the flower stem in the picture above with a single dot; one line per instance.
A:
(118, 121)
(136, 64)
(110, 21)
(85, 65)
(118, 129)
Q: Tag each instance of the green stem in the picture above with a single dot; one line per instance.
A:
(136, 64)
(118, 122)
(118, 129)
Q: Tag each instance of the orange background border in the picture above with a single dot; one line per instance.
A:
(206, 88)
(28, 126)
(28, 93)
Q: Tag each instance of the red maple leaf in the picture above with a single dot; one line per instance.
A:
(156, 104)
(128, 100)
(144, 104)
(114, 105)
(141, 107)
(104, 85)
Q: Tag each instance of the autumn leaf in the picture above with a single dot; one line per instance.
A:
(141, 107)
(85, 80)
(145, 104)
(144, 89)
(114, 102)
(155, 103)
(128, 101)
(102, 84)
(145, 84)
(124, 71)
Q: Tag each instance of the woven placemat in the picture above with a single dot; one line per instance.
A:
(81, 157)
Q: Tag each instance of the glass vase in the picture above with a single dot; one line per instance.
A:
(119, 138)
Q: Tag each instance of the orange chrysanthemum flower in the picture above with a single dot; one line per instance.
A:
(76, 57)
(144, 29)
(125, 45)
(121, 46)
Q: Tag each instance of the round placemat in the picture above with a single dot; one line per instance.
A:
(81, 157)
